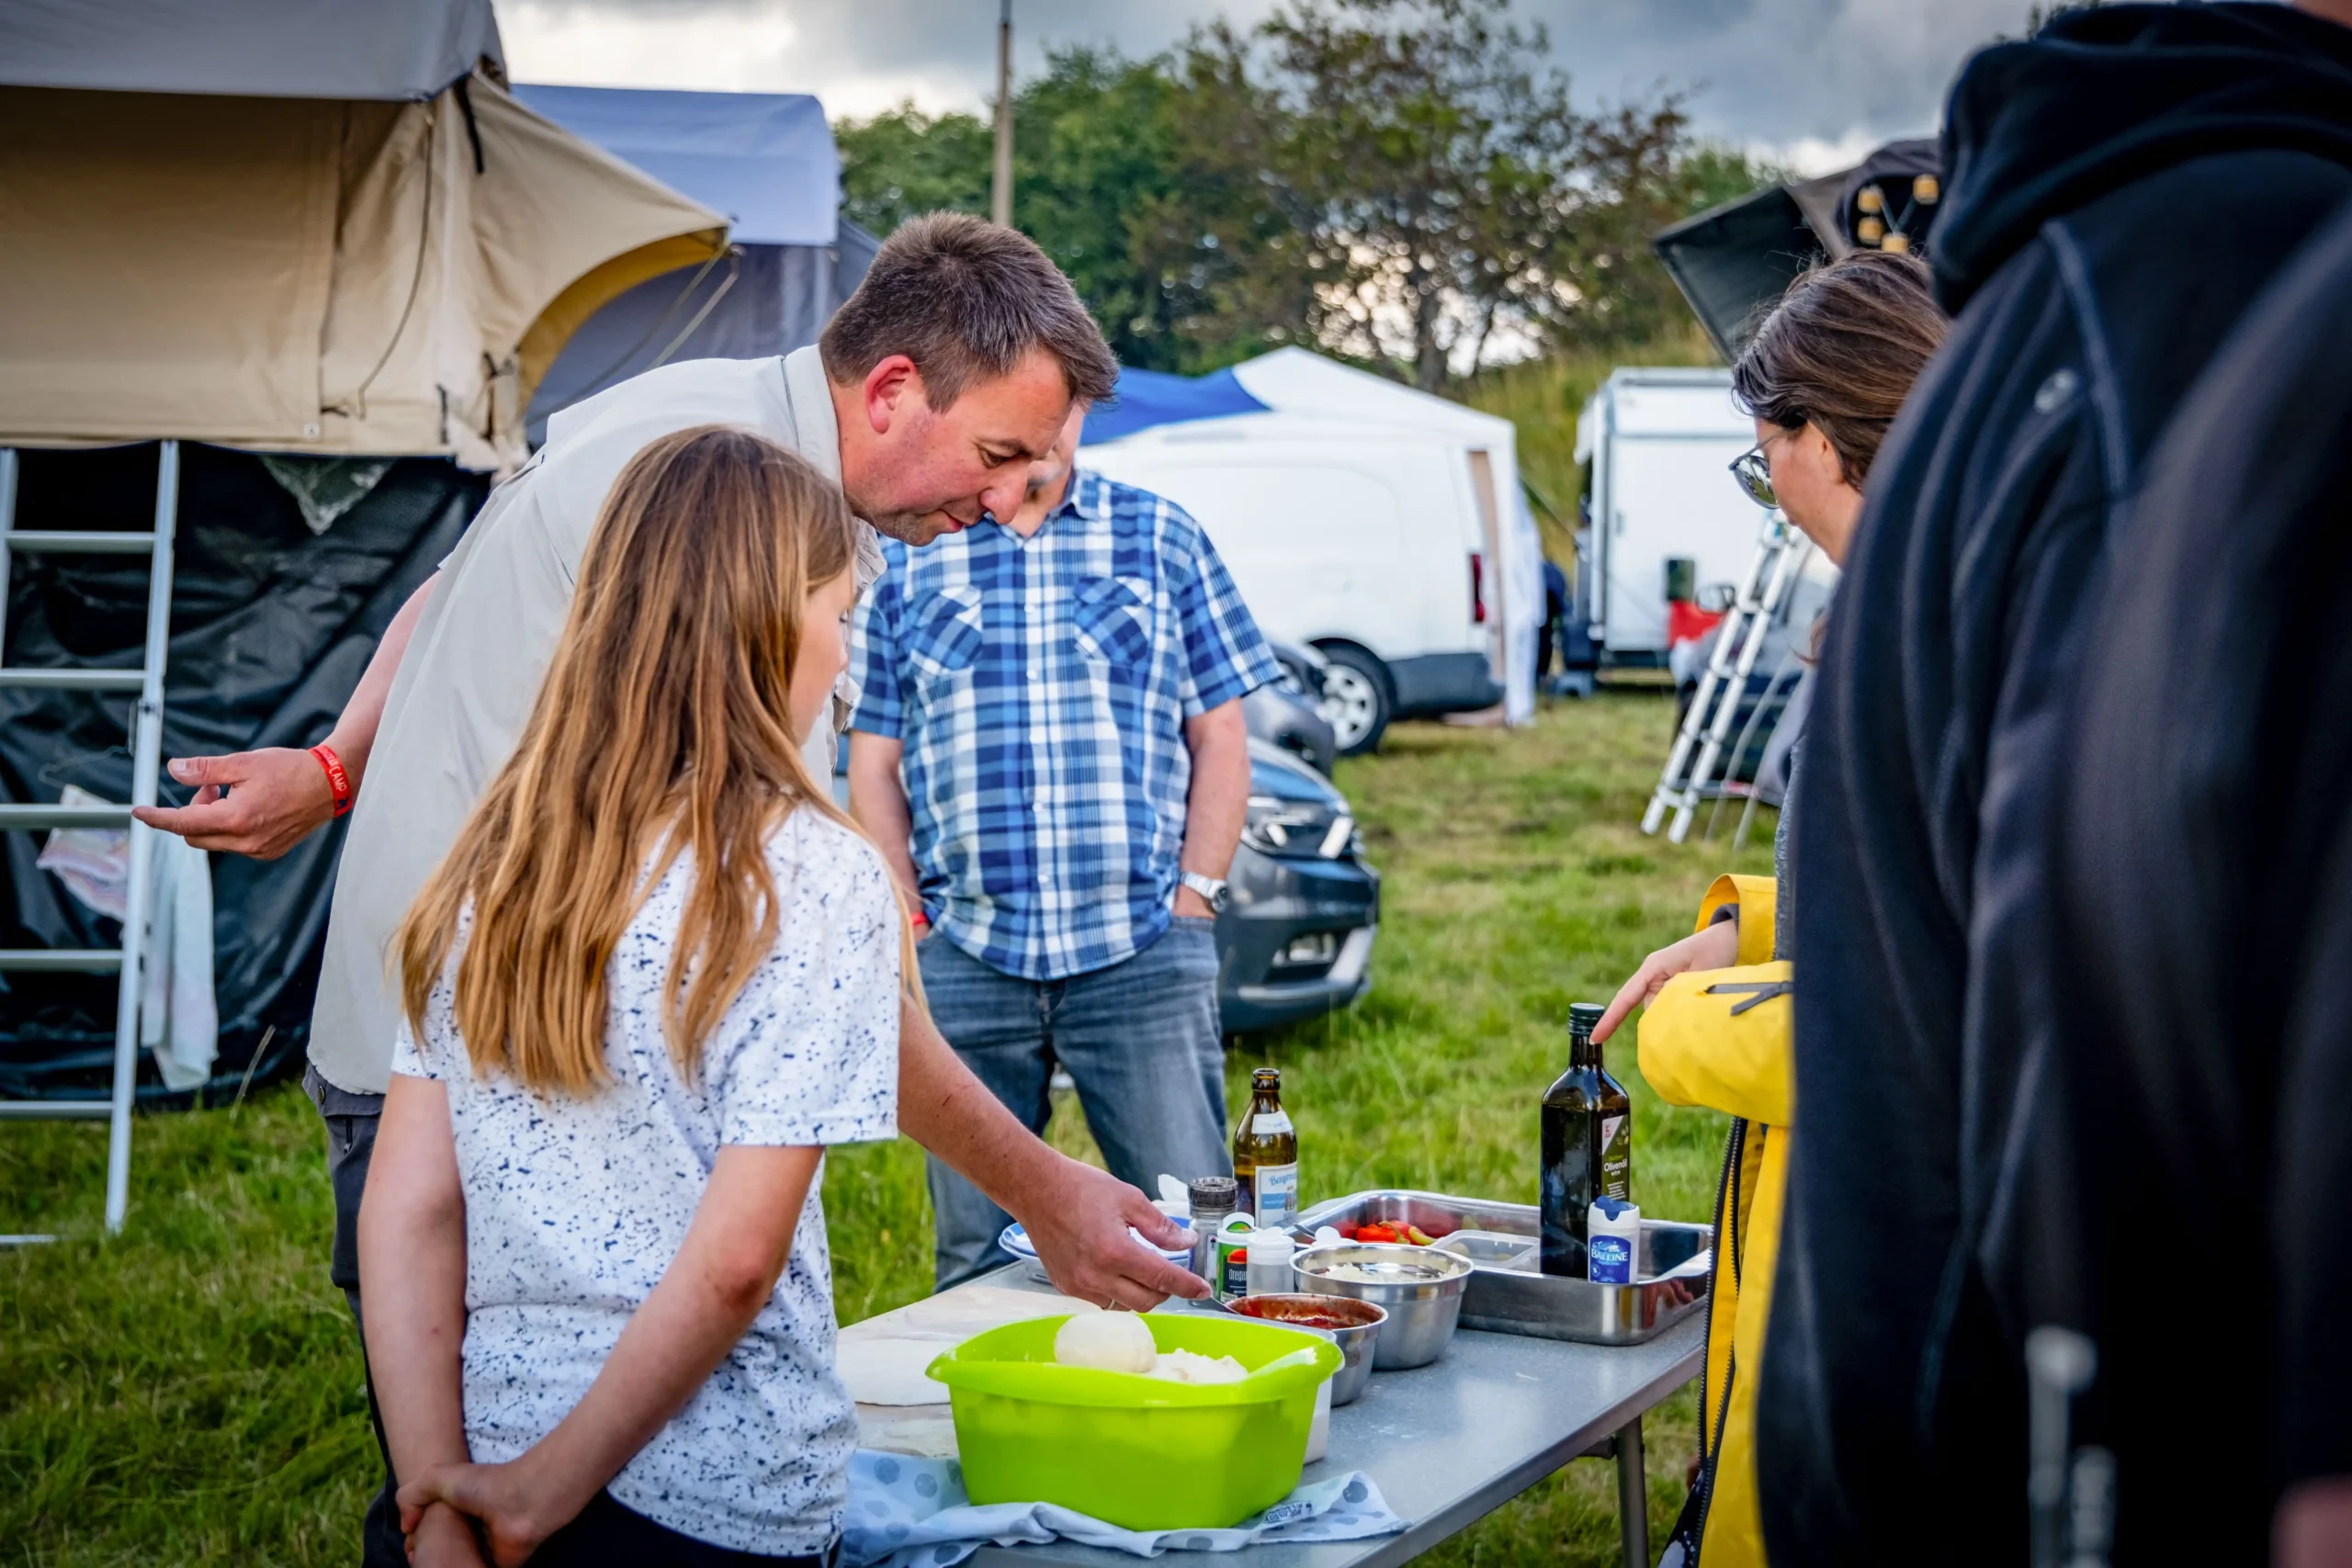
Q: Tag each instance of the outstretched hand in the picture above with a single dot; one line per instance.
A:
(514, 1508)
(1080, 1232)
(1717, 947)
(251, 803)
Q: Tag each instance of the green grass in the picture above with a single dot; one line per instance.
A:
(190, 1392)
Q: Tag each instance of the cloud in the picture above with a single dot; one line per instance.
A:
(1813, 82)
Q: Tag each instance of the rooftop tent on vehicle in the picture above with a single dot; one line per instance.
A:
(767, 161)
(321, 238)
(1733, 260)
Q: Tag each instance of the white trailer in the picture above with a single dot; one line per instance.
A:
(1655, 446)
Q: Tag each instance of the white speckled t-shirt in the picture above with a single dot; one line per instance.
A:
(575, 1207)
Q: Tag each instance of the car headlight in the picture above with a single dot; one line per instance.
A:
(1298, 829)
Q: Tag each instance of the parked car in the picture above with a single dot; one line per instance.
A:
(1295, 940)
(1290, 713)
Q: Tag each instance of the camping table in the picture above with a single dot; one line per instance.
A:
(1450, 1444)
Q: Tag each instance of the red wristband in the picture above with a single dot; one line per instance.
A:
(338, 780)
(917, 920)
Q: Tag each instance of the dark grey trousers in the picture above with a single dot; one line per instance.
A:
(351, 1122)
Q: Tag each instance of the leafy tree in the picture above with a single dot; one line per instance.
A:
(904, 162)
(1385, 179)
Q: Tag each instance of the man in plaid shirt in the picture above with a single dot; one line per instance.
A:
(1050, 749)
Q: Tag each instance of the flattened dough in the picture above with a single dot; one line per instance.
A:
(890, 1371)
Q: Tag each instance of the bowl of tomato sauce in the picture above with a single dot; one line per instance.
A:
(1354, 1324)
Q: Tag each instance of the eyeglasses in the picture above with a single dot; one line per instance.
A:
(1753, 471)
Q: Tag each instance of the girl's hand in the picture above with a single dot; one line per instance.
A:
(1717, 947)
(443, 1537)
(517, 1510)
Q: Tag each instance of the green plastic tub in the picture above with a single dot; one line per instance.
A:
(1137, 1452)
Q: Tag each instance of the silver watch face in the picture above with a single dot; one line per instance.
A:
(1216, 893)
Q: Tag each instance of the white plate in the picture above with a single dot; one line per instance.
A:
(1016, 1241)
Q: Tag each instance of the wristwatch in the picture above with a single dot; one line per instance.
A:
(1211, 888)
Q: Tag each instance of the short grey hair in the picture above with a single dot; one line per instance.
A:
(966, 300)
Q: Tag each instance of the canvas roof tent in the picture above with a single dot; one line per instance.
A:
(1731, 259)
(765, 159)
(229, 222)
(1293, 396)
(317, 226)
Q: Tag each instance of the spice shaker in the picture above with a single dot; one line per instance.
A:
(1213, 1198)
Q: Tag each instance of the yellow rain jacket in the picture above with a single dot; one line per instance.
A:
(1723, 1038)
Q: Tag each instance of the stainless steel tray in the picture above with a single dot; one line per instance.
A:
(1508, 1295)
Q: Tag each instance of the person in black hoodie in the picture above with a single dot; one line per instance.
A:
(2120, 187)
(2204, 1077)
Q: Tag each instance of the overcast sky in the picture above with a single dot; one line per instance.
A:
(1815, 82)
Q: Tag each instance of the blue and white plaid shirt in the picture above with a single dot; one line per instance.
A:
(1040, 687)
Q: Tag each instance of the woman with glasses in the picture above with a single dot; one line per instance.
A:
(1824, 374)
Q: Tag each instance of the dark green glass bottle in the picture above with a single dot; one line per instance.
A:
(1587, 1144)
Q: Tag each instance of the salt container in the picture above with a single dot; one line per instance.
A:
(1612, 1242)
(1269, 1263)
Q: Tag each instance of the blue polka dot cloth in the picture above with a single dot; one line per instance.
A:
(911, 1512)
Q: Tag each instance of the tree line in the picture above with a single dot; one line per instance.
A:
(1402, 182)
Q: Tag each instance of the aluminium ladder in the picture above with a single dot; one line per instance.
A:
(147, 743)
(1739, 641)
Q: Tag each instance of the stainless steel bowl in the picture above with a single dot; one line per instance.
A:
(1419, 1287)
(1357, 1334)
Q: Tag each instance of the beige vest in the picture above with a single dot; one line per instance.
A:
(473, 671)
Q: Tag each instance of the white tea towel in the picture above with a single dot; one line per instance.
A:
(179, 1016)
(912, 1513)
(179, 1019)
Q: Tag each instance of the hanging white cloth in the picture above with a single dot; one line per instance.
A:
(179, 1019)
(1522, 612)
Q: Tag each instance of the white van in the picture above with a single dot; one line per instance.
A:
(1656, 447)
(1378, 545)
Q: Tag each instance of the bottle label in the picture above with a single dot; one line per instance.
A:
(1275, 1191)
(1232, 1281)
(1616, 1158)
(1610, 1260)
(1266, 1124)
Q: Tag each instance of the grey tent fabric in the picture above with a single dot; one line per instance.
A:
(265, 49)
(764, 159)
(758, 301)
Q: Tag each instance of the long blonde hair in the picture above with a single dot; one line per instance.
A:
(663, 726)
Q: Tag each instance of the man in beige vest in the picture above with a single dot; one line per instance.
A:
(936, 385)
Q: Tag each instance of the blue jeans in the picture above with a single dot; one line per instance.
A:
(1139, 1038)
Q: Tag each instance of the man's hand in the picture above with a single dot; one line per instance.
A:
(516, 1509)
(1080, 1228)
(252, 802)
(1717, 947)
(444, 1538)
(1190, 903)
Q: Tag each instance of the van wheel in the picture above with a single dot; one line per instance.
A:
(1355, 699)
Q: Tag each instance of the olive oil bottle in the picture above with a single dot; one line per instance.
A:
(1265, 1153)
(1587, 1144)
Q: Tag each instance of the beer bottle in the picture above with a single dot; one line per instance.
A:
(1265, 1153)
(1587, 1144)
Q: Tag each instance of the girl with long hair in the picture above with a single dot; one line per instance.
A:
(1825, 374)
(659, 973)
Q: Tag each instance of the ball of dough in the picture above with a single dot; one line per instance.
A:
(1189, 1367)
(1107, 1341)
